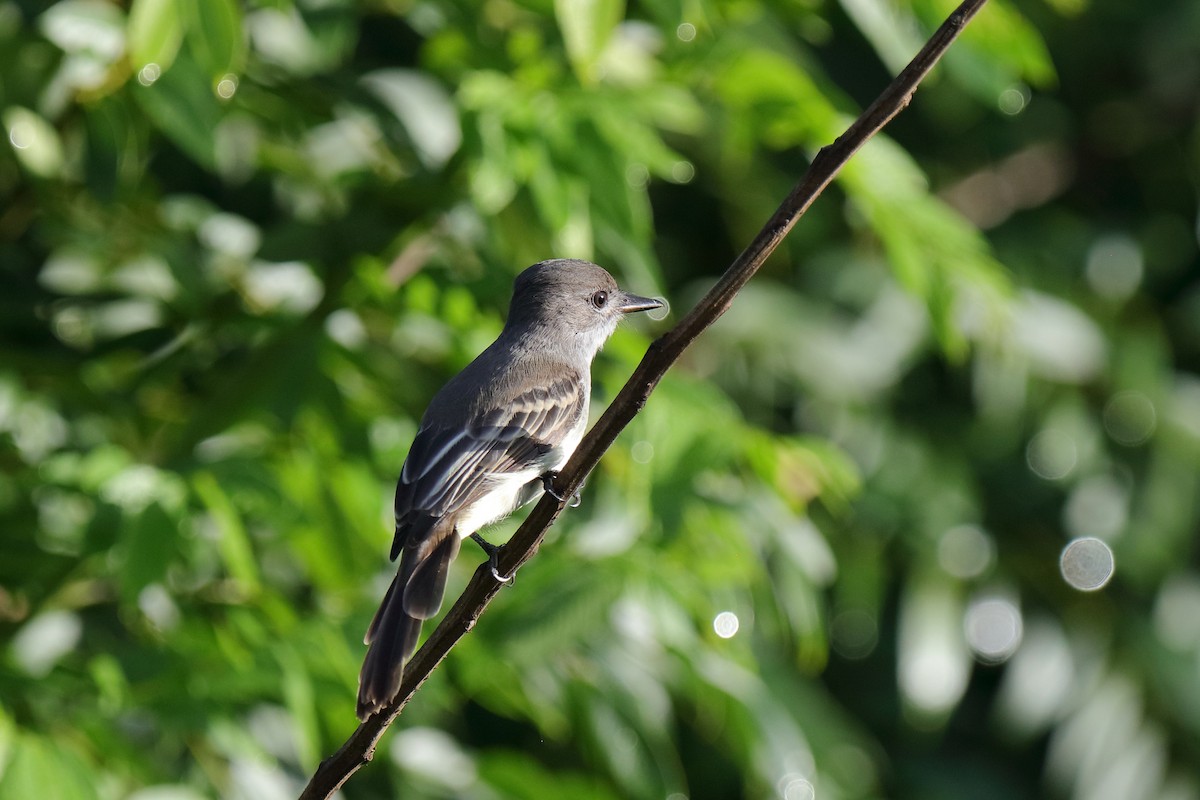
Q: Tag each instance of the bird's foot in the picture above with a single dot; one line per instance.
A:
(548, 478)
(493, 554)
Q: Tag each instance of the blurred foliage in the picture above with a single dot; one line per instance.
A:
(242, 244)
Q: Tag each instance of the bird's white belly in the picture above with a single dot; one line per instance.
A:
(504, 498)
(498, 503)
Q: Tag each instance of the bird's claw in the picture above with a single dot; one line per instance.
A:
(493, 554)
(548, 484)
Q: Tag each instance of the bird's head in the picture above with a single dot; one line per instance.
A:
(576, 303)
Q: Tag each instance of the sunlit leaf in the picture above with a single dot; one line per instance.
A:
(88, 27)
(586, 26)
(34, 141)
(424, 107)
(890, 31)
(154, 32)
(41, 768)
(1005, 44)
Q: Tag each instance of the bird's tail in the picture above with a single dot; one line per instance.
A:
(414, 596)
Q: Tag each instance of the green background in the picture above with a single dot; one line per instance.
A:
(241, 245)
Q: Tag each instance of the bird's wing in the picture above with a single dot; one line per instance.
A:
(448, 468)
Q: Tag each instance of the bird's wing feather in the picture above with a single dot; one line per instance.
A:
(448, 468)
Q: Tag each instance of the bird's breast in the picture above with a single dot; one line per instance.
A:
(563, 452)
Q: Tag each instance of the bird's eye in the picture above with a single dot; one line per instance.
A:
(600, 299)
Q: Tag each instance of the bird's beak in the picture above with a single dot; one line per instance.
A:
(631, 303)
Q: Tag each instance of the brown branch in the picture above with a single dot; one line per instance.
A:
(661, 355)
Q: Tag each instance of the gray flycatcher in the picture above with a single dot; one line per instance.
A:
(491, 441)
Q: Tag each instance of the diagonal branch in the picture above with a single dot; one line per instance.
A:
(661, 355)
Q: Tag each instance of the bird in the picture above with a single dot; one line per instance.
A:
(491, 440)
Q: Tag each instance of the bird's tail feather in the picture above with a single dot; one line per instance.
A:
(414, 596)
(425, 588)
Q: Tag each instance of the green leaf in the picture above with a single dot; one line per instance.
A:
(153, 33)
(85, 27)
(114, 146)
(182, 106)
(776, 99)
(42, 769)
(998, 49)
(8, 738)
(934, 252)
(299, 696)
(586, 26)
(35, 142)
(233, 541)
(888, 28)
(149, 544)
(516, 775)
(217, 36)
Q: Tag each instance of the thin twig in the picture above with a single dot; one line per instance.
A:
(661, 355)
